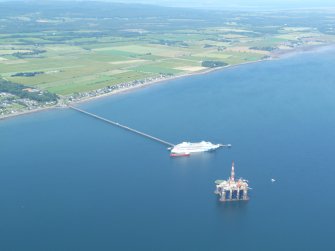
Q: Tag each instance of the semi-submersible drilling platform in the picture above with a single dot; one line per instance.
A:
(231, 189)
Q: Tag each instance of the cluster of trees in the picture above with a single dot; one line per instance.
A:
(263, 48)
(28, 54)
(19, 90)
(171, 42)
(221, 48)
(27, 74)
(213, 64)
(167, 74)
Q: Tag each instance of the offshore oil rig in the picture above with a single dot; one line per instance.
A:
(231, 189)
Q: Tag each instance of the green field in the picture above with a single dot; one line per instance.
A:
(80, 58)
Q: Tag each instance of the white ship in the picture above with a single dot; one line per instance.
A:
(188, 147)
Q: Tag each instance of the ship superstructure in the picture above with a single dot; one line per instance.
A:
(188, 147)
(232, 189)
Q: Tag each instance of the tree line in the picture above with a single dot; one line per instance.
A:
(22, 92)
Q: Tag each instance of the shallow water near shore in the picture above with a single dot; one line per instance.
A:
(71, 182)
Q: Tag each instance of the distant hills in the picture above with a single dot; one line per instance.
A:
(218, 4)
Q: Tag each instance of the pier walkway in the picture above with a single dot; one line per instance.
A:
(122, 126)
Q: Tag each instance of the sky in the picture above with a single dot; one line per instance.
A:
(223, 4)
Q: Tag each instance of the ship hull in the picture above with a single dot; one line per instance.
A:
(179, 155)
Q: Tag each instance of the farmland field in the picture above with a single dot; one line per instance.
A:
(76, 52)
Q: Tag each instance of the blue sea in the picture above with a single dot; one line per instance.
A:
(71, 182)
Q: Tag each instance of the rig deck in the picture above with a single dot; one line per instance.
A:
(231, 189)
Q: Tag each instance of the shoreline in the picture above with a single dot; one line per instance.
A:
(300, 50)
(160, 81)
(128, 89)
(274, 56)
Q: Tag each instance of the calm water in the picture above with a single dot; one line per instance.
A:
(70, 182)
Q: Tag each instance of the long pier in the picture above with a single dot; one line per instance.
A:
(122, 126)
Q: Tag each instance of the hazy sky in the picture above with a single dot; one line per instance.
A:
(239, 3)
(224, 4)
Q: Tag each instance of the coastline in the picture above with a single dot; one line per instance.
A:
(160, 81)
(28, 112)
(125, 90)
(273, 56)
(299, 50)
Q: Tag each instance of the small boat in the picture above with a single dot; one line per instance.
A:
(180, 155)
(273, 180)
